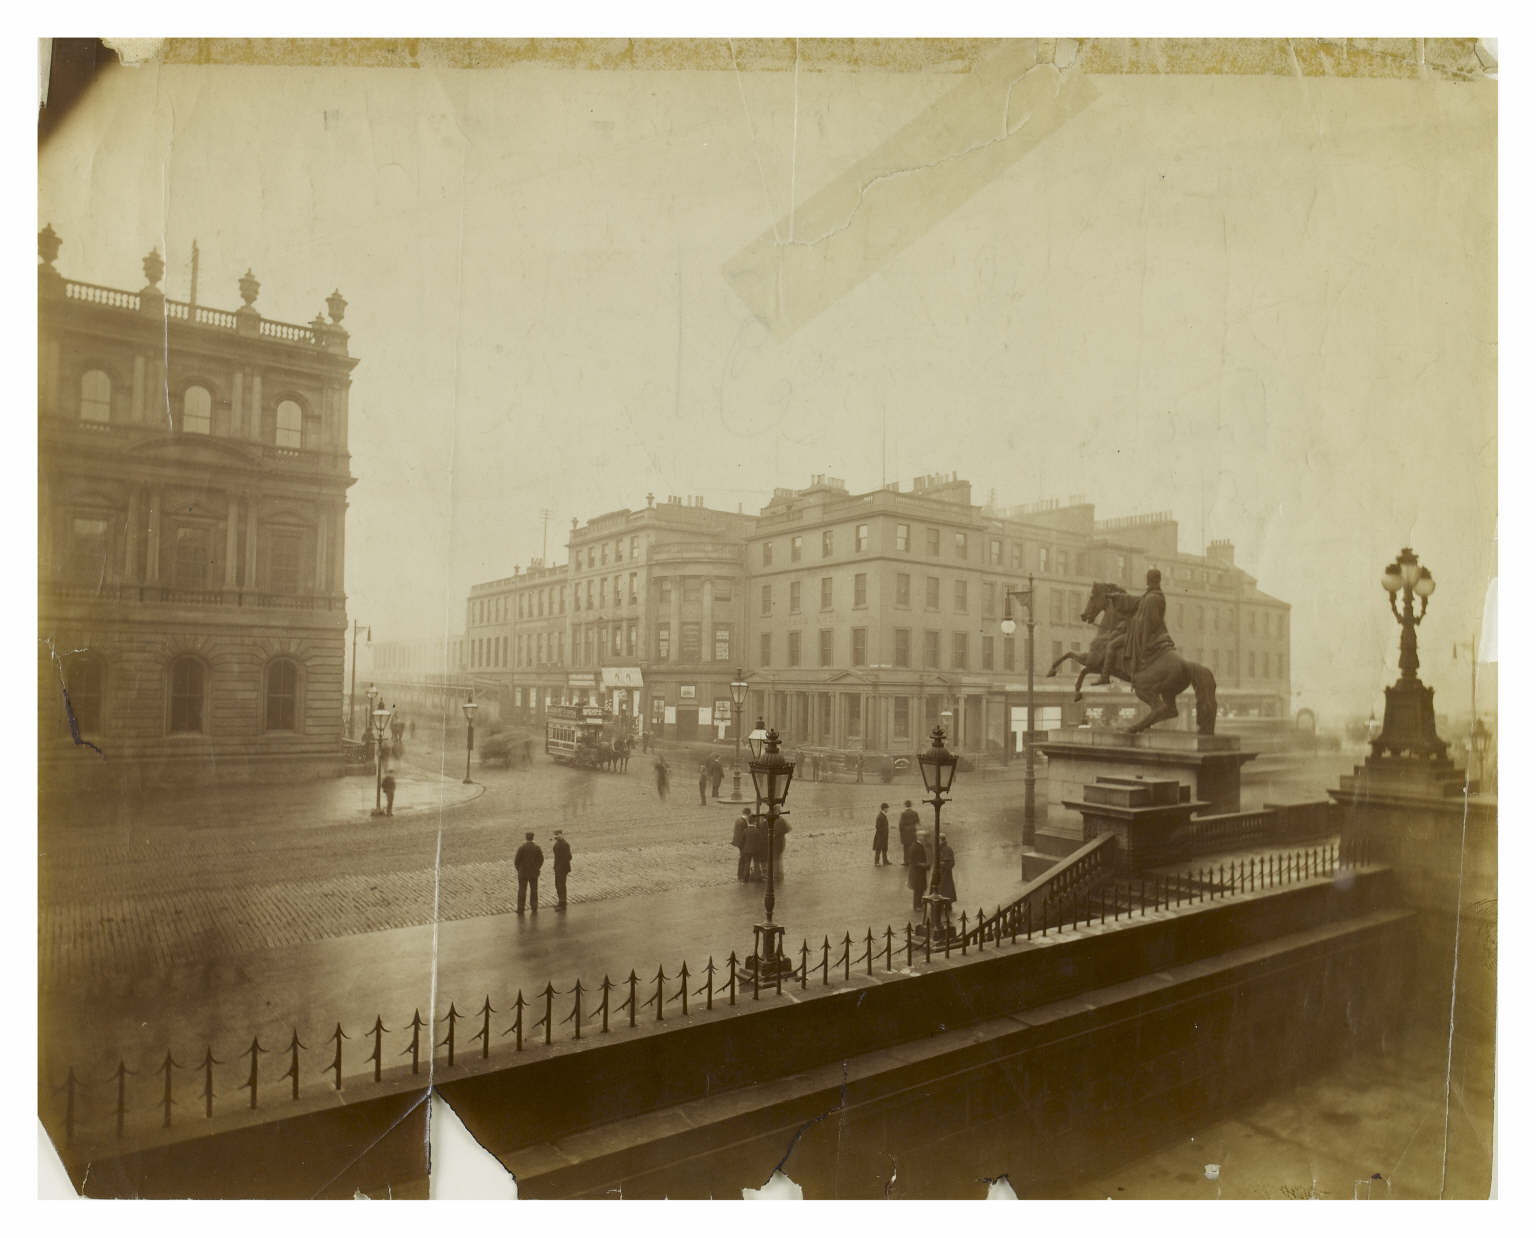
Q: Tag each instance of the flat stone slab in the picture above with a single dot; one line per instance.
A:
(1149, 741)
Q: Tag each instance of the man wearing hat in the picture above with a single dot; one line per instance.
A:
(562, 867)
(906, 825)
(882, 837)
(528, 861)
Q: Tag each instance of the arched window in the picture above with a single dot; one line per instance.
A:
(186, 695)
(95, 397)
(85, 677)
(282, 696)
(290, 425)
(197, 411)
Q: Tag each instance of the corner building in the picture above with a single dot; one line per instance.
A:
(192, 483)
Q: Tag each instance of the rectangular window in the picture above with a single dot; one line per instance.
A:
(605, 552)
(1250, 664)
(995, 551)
(990, 601)
(902, 654)
(618, 638)
(903, 537)
(794, 597)
(794, 649)
(826, 593)
(767, 554)
(722, 587)
(860, 646)
(658, 711)
(962, 599)
(634, 595)
(589, 595)
(961, 545)
(591, 556)
(1063, 563)
(89, 542)
(931, 649)
(602, 593)
(194, 558)
(795, 545)
(960, 649)
(663, 642)
(634, 547)
(1266, 664)
(767, 606)
(632, 637)
(933, 542)
(1008, 653)
(765, 649)
(825, 644)
(860, 589)
(903, 589)
(618, 551)
(861, 537)
(722, 644)
(901, 717)
(826, 543)
(1016, 553)
(933, 593)
(986, 653)
(690, 643)
(1058, 606)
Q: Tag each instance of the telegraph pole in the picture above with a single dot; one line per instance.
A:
(352, 698)
(544, 551)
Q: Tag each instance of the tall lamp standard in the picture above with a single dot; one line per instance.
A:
(352, 696)
(381, 717)
(373, 703)
(738, 703)
(469, 708)
(1480, 737)
(1009, 628)
(1408, 726)
(772, 773)
(938, 766)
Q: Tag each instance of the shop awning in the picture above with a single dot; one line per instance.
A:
(622, 677)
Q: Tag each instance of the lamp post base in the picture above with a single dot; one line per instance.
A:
(937, 928)
(767, 963)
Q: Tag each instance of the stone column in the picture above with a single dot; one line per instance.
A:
(677, 619)
(131, 537)
(707, 621)
(255, 419)
(250, 542)
(152, 554)
(136, 407)
(237, 405)
(231, 538)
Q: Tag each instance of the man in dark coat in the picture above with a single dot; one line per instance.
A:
(562, 867)
(917, 873)
(906, 828)
(740, 841)
(1147, 633)
(716, 775)
(663, 777)
(882, 837)
(946, 868)
(703, 782)
(528, 861)
(388, 786)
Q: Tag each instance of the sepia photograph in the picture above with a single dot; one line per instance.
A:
(719, 618)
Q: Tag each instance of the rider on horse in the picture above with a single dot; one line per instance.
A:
(1146, 634)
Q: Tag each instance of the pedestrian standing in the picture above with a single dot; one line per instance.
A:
(906, 828)
(739, 841)
(946, 869)
(662, 777)
(858, 768)
(562, 851)
(645, 741)
(704, 782)
(917, 873)
(882, 837)
(716, 775)
(528, 861)
(389, 792)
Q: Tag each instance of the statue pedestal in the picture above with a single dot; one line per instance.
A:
(1149, 817)
(1408, 726)
(1209, 767)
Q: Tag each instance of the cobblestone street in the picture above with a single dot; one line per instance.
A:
(209, 917)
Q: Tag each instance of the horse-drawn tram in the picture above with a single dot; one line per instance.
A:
(584, 736)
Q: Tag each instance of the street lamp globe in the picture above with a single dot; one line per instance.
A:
(469, 707)
(938, 766)
(1425, 584)
(380, 720)
(756, 739)
(738, 691)
(1009, 626)
(1392, 578)
(1410, 566)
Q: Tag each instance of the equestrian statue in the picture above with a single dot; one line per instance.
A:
(1133, 645)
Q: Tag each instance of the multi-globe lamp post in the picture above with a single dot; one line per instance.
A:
(1408, 725)
(938, 766)
(469, 707)
(772, 773)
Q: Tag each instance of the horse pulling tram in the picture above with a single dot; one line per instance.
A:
(586, 737)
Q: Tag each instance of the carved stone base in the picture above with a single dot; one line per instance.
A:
(1408, 728)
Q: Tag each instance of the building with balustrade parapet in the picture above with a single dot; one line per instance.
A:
(192, 499)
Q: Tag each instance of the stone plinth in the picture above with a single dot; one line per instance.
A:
(1148, 816)
(1209, 766)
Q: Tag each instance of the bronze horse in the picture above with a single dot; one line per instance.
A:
(1157, 683)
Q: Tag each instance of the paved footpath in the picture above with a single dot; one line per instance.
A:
(207, 917)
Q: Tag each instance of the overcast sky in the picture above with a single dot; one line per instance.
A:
(1266, 304)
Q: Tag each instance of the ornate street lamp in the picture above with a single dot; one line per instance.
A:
(1009, 628)
(373, 703)
(469, 707)
(772, 773)
(381, 717)
(938, 766)
(738, 703)
(1408, 725)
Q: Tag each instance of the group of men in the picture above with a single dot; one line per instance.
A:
(750, 838)
(914, 854)
(530, 860)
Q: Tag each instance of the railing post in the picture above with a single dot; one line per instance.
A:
(122, 1101)
(805, 963)
(709, 984)
(252, 1081)
(909, 945)
(517, 1021)
(166, 1101)
(338, 1036)
(575, 1009)
(826, 955)
(890, 937)
(869, 950)
(453, 1017)
(208, 1063)
(1029, 920)
(661, 997)
(683, 974)
(415, 1046)
(484, 1035)
(294, 1045)
(847, 950)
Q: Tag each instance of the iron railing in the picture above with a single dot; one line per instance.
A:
(102, 1109)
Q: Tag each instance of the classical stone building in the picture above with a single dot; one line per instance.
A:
(861, 619)
(192, 498)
